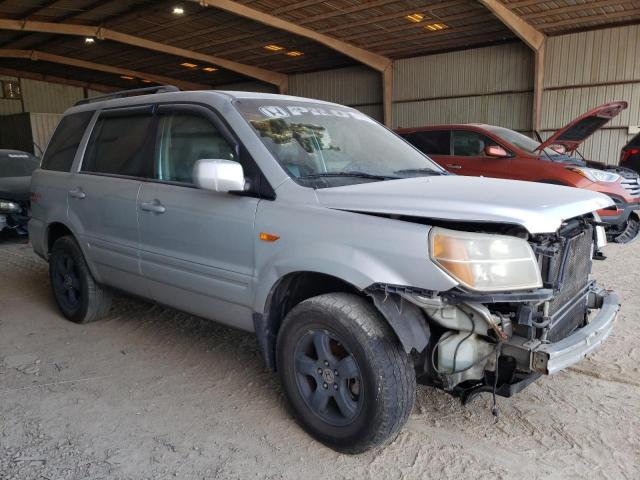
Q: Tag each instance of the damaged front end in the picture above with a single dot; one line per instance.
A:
(502, 341)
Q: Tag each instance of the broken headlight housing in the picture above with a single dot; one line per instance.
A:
(485, 262)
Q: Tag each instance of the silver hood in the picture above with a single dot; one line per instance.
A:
(538, 207)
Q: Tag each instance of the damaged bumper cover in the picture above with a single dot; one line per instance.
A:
(550, 358)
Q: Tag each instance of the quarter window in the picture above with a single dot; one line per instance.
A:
(120, 145)
(470, 144)
(431, 143)
(64, 143)
(185, 139)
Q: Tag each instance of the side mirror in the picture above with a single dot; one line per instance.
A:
(218, 175)
(495, 151)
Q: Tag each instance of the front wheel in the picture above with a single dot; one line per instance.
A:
(346, 377)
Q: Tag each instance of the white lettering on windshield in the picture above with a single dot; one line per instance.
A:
(272, 111)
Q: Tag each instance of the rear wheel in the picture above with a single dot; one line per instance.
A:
(80, 298)
(345, 376)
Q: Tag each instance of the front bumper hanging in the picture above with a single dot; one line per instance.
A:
(550, 358)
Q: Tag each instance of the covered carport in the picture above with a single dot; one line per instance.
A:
(155, 393)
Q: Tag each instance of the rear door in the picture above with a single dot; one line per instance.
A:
(469, 154)
(103, 195)
(197, 246)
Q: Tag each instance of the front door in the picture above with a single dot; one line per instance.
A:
(469, 155)
(196, 246)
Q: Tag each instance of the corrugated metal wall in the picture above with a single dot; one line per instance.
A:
(359, 87)
(490, 85)
(253, 86)
(9, 106)
(584, 70)
(42, 128)
(44, 97)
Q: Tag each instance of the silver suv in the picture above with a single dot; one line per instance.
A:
(361, 266)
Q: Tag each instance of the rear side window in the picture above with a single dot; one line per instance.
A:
(64, 143)
(185, 139)
(121, 145)
(470, 144)
(431, 143)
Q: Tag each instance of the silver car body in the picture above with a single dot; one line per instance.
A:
(203, 255)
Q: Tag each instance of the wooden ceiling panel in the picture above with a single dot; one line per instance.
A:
(563, 16)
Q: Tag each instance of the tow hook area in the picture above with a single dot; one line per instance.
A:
(550, 358)
(628, 232)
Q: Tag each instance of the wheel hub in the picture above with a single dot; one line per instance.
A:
(327, 375)
(68, 281)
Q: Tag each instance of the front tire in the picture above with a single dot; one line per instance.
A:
(347, 379)
(80, 298)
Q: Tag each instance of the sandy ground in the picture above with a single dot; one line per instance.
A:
(154, 393)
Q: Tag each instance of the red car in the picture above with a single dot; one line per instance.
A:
(630, 154)
(491, 151)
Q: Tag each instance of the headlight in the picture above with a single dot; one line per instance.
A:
(595, 175)
(485, 262)
(7, 206)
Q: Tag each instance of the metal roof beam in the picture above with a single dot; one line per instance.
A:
(536, 40)
(371, 59)
(12, 72)
(35, 55)
(267, 76)
(527, 33)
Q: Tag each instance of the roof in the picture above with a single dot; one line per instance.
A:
(390, 28)
(176, 96)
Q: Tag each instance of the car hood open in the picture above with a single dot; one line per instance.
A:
(540, 208)
(577, 131)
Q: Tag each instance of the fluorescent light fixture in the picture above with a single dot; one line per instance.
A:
(295, 53)
(188, 65)
(126, 77)
(178, 11)
(436, 26)
(415, 17)
(209, 69)
(274, 48)
(89, 40)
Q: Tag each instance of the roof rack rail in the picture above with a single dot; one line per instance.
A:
(130, 93)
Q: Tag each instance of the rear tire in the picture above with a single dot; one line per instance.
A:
(346, 378)
(80, 298)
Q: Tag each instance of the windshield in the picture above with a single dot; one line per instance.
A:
(17, 164)
(325, 146)
(521, 141)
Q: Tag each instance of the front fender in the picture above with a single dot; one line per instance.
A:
(356, 248)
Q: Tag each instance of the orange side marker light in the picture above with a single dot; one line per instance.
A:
(268, 237)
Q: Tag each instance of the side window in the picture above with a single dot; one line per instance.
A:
(121, 145)
(183, 140)
(437, 142)
(470, 144)
(64, 143)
